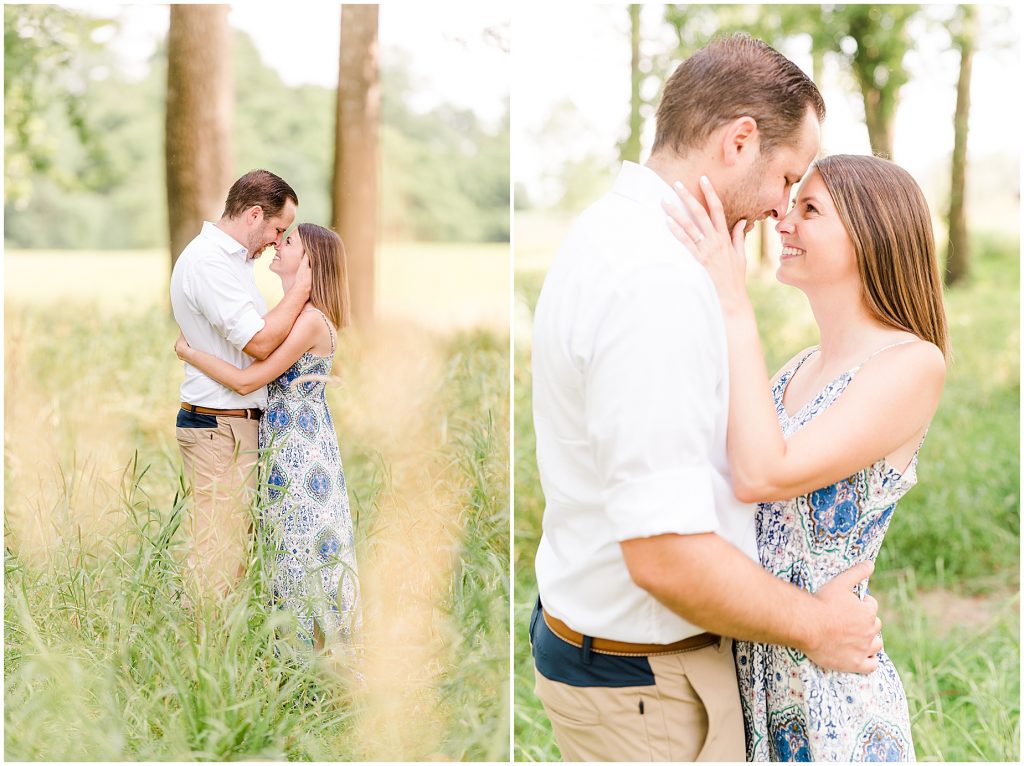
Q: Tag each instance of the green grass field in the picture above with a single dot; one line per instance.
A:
(102, 661)
(947, 577)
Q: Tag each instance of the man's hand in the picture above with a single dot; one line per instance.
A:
(849, 638)
(304, 278)
(181, 346)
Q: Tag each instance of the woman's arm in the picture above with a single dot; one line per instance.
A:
(891, 399)
(301, 339)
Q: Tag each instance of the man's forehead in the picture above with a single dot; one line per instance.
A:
(801, 158)
(286, 216)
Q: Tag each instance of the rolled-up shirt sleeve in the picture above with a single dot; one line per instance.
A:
(224, 302)
(650, 384)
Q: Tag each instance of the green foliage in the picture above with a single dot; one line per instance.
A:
(445, 176)
(476, 691)
(954, 538)
(49, 60)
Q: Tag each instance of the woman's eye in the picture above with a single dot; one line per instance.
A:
(811, 209)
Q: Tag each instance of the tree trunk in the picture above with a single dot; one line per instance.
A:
(817, 76)
(878, 118)
(631, 147)
(882, 43)
(355, 199)
(198, 126)
(763, 245)
(957, 248)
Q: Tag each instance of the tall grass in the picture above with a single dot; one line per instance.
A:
(104, 660)
(953, 542)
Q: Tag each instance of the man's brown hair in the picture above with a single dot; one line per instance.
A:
(733, 77)
(258, 187)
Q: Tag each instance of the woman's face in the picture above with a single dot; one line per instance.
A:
(816, 250)
(289, 255)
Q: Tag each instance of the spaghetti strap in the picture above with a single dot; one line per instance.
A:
(330, 327)
(786, 376)
(803, 359)
(884, 348)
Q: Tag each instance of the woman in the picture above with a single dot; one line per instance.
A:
(304, 499)
(831, 444)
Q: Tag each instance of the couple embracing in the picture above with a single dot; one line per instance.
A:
(709, 531)
(253, 406)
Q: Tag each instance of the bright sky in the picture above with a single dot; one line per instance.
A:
(444, 41)
(583, 58)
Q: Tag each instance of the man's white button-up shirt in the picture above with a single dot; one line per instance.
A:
(630, 406)
(219, 308)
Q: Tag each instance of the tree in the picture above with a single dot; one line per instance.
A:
(354, 198)
(881, 43)
(200, 100)
(963, 29)
(630, 148)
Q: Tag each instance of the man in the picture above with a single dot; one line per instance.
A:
(219, 309)
(647, 559)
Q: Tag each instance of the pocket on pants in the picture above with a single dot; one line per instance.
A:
(566, 705)
(712, 673)
(205, 453)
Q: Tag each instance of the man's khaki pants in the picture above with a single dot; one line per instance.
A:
(691, 713)
(220, 467)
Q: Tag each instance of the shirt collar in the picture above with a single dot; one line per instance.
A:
(224, 241)
(643, 185)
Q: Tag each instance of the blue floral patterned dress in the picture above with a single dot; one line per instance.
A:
(793, 710)
(305, 507)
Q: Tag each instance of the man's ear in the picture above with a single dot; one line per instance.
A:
(253, 214)
(740, 140)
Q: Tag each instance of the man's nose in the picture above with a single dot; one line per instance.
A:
(779, 211)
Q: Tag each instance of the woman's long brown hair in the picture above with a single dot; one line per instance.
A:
(326, 252)
(887, 218)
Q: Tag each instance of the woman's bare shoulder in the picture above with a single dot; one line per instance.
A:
(314, 326)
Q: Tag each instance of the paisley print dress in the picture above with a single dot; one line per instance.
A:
(793, 710)
(305, 508)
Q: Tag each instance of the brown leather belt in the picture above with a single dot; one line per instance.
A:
(624, 648)
(251, 413)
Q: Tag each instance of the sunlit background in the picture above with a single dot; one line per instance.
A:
(98, 186)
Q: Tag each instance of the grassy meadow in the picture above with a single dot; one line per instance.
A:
(102, 661)
(947, 578)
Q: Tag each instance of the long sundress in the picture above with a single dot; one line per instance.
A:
(794, 710)
(305, 506)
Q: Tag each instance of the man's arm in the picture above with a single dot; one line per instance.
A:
(279, 320)
(711, 583)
